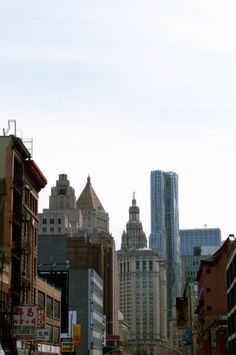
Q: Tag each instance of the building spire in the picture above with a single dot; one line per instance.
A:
(134, 237)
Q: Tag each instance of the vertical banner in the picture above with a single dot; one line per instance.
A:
(40, 318)
(72, 320)
(182, 312)
(76, 334)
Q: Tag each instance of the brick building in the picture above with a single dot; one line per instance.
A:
(212, 302)
(20, 182)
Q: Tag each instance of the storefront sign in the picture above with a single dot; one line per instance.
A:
(24, 323)
(40, 318)
(67, 346)
(43, 335)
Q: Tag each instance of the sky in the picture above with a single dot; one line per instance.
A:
(116, 89)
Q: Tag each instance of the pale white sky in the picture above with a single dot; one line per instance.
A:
(116, 89)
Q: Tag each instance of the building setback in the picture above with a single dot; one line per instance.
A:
(142, 285)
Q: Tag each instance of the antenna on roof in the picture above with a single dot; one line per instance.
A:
(28, 142)
(9, 127)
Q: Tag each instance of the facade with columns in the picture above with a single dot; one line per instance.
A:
(142, 285)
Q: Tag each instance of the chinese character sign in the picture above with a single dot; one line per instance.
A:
(24, 323)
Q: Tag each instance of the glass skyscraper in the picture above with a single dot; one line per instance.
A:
(198, 237)
(164, 237)
(195, 245)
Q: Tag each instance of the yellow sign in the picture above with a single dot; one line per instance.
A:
(67, 347)
(76, 334)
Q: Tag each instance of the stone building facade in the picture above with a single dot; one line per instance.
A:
(142, 284)
(82, 228)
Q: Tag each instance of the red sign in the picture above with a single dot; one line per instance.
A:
(40, 318)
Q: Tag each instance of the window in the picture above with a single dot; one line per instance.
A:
(56, 309)
(44, 221)
(49, 306)
(41, 299)
(51, 220)
(50, 329)
(56, 335)
(137, 266)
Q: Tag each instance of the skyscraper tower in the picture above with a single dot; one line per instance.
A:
(74, 234)
(164, 237)
(134, 237)
(142, 277)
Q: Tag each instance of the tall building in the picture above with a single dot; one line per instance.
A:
(88, 310)
(142, 281)
(196, 245)
(20, 183)
(164, 237)
(81, 228)
(198, 237)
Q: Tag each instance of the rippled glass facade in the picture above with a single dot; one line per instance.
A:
(164, 237)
